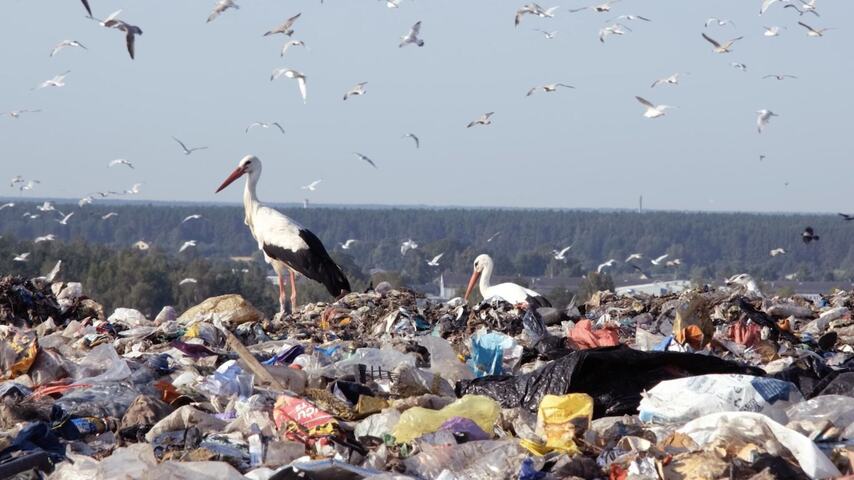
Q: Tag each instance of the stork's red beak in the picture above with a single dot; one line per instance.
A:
(472, 282)
(237, 173)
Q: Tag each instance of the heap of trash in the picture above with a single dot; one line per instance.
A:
(389, 384)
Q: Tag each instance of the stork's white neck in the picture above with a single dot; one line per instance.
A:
(485, 279)
(250, 198)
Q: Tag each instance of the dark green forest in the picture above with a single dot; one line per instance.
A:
(710, 245)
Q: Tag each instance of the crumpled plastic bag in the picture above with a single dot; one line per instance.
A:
(184, 418)
(819, 413)
(684, 399)
(378, 424)
(584, 336)
(560, 419)
(693, 325)
(479, 460)
(18, 354)
(443, 360)
(732, 431)
(417, 421)
(492, 353)
(102, 364)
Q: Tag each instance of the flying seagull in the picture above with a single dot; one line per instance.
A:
(657, 261)
(46, 207)
(601, 8)
(844, 216)
(671, 80)
(16, 114)
(814, 32)
(23, 257)
(763, 117)
(188, 281)
(413, 137)
(493, 237)
(46, 238)
(630, 17)
(739, 66)
(57, 81)
(366, 159)
(652, 111)
(483, 120)
(348, 243)
(806, 8)
(186, 245)
(719, 22)
(407, 246)
(65, 219)
(65, 44)
(615, 29)
(265, 125)
(549, 88)
(109, 216)
(187, 150)
(673, 263)
(435, 261)
(292, 43)
(194, 216)
(561, 254)
(412, 36)
(11, 204)
(777, 251)
(131, 31)
(634, 256)
(548, 35)
(809, 235)
(121, 161)
(358, 89)
(141, 245)
(725, 47)
(221, 6)
(291, 73)
(533, 9)
(311, 186)
(603, 266)
(285, 28)
(773, 31)
(780, 76)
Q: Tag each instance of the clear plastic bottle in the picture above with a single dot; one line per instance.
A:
(256, 446)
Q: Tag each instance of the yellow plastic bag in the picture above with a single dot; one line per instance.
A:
(417, 420)
(559, 419)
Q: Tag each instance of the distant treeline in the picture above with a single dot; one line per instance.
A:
(710, 245)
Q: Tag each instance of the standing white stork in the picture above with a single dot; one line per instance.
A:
(287, 246)
(510, 292)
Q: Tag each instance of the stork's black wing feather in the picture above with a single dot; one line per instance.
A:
(315, 263)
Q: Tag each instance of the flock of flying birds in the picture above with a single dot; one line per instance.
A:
(614, 27)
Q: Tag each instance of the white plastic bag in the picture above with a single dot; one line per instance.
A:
(684, 399)
(733, 428)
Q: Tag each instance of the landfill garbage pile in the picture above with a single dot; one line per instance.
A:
(709, 383)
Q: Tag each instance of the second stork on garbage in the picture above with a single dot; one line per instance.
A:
(287, 245)
(510, 292)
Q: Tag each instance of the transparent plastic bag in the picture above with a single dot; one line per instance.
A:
(102, 364)
(478, 460)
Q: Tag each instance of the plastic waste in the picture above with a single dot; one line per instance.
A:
(493, 353)
(480, 460)
(561, 418)
(443, 360)
(584, 336)
(824, 416)
(102, 364)
(129, 317)
(417, 421)
(684, 399)
(613, 376)
(733, 431)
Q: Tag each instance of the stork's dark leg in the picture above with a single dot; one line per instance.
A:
(293, 291)
(281, 293)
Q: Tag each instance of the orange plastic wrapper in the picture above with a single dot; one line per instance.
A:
(585, 337)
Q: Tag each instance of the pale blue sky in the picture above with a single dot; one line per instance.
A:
(583, 148)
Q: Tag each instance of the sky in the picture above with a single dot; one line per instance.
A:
(588, 147)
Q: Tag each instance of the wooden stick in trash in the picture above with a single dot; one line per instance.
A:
(250, 360)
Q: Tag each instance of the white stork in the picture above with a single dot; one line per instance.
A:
(510, 292)
(287, 246)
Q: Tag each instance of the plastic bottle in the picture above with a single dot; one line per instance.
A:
(256, 446)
